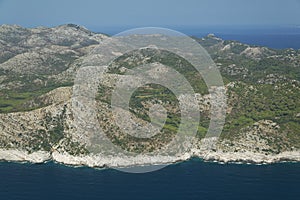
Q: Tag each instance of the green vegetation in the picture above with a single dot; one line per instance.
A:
(22, 87)
(150, 94)
(164, 57)
(14, 100)
(279, 103)
(250, 99)
(264, 86)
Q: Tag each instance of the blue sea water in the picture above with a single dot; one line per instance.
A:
(276, 41)
(193, 179)
(272, 37)
(278, 37)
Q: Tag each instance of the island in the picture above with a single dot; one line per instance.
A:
(38, 67)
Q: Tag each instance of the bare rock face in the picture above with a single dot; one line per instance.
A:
(34, 65)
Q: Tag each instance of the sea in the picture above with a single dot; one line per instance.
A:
(277, 37)
(192, 179)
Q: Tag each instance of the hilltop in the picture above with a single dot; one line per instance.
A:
(37, 71)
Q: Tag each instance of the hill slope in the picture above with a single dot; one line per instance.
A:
(37, 69)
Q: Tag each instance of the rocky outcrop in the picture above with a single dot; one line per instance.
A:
(24, 156)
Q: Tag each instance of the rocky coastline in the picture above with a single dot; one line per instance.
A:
(37, 121)
(100, 161)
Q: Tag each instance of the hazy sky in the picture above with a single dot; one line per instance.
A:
(105, 13)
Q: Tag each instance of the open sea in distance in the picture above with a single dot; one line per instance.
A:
(193, 179)
(273, 37)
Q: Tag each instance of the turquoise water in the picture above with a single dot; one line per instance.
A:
(192, 179)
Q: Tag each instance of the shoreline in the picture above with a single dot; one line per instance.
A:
(98, 162)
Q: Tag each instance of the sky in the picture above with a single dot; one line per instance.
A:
(138, 13)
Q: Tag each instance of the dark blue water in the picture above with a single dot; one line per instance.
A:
(274, 37)
(270, 36)
(193, 179)
(268, 40)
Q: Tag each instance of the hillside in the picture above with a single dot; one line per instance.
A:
(37, 72)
